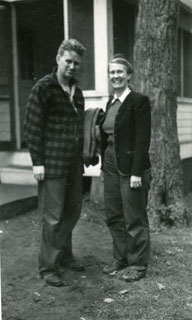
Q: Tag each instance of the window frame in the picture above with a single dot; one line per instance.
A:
(185, 25)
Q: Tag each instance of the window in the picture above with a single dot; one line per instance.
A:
(81, 28)
(185, 54)
(124, 28)
(187, 64)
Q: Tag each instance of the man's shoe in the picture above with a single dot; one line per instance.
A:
(113, 268)
(73, 265)
(53, 280)
(131, 275)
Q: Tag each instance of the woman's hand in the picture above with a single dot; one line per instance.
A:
(135, 182)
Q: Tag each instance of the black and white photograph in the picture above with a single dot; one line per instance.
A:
(95, 159)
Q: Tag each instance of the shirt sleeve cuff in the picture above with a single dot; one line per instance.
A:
(38, 169)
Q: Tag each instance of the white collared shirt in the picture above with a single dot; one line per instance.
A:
(122, 96)
(71, 95)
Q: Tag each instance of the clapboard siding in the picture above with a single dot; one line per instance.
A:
(184, 124)
(5, 128)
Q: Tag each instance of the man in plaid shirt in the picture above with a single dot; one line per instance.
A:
(54, 134)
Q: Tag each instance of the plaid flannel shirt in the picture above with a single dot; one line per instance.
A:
(53, 126)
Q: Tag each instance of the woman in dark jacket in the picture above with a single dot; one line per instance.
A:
(125, 140)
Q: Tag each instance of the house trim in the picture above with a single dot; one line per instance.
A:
(15, 77)
(66, 19)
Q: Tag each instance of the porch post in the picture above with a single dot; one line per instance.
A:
(66, 19)
(102, 18)
(15, 77)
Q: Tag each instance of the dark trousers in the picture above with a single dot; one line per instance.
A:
(60, 203)
(126, 214)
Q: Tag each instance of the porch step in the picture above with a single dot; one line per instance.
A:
(16, 169)
(16, 158)
(17, 174)
(16, 199)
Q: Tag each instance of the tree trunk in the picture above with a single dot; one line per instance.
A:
(155, 74)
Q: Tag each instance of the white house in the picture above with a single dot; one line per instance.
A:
(30, 33)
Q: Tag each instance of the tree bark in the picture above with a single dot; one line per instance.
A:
(155, 74)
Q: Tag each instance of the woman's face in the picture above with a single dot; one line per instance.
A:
(118, 76)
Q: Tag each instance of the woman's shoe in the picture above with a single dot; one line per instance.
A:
(54, 280)
(114, 267)
(131, 275)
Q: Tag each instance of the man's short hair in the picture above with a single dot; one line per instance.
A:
(71, 45)
(119, 58)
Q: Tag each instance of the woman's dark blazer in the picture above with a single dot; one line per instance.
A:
(132, 130)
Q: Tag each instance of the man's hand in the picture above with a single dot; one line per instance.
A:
(135, 182)
(39, 173)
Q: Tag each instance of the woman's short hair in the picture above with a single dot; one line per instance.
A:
(119, 58)
(71, 45)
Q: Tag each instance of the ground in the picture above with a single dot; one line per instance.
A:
(165, 294)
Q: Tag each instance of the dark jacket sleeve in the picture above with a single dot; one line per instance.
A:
(34, 124)
(142, 116)
(104, 136)
(90, 148)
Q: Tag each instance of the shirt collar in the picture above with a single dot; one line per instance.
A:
(122, 97)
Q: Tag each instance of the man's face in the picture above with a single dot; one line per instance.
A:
(118, 76)
(68, 64)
